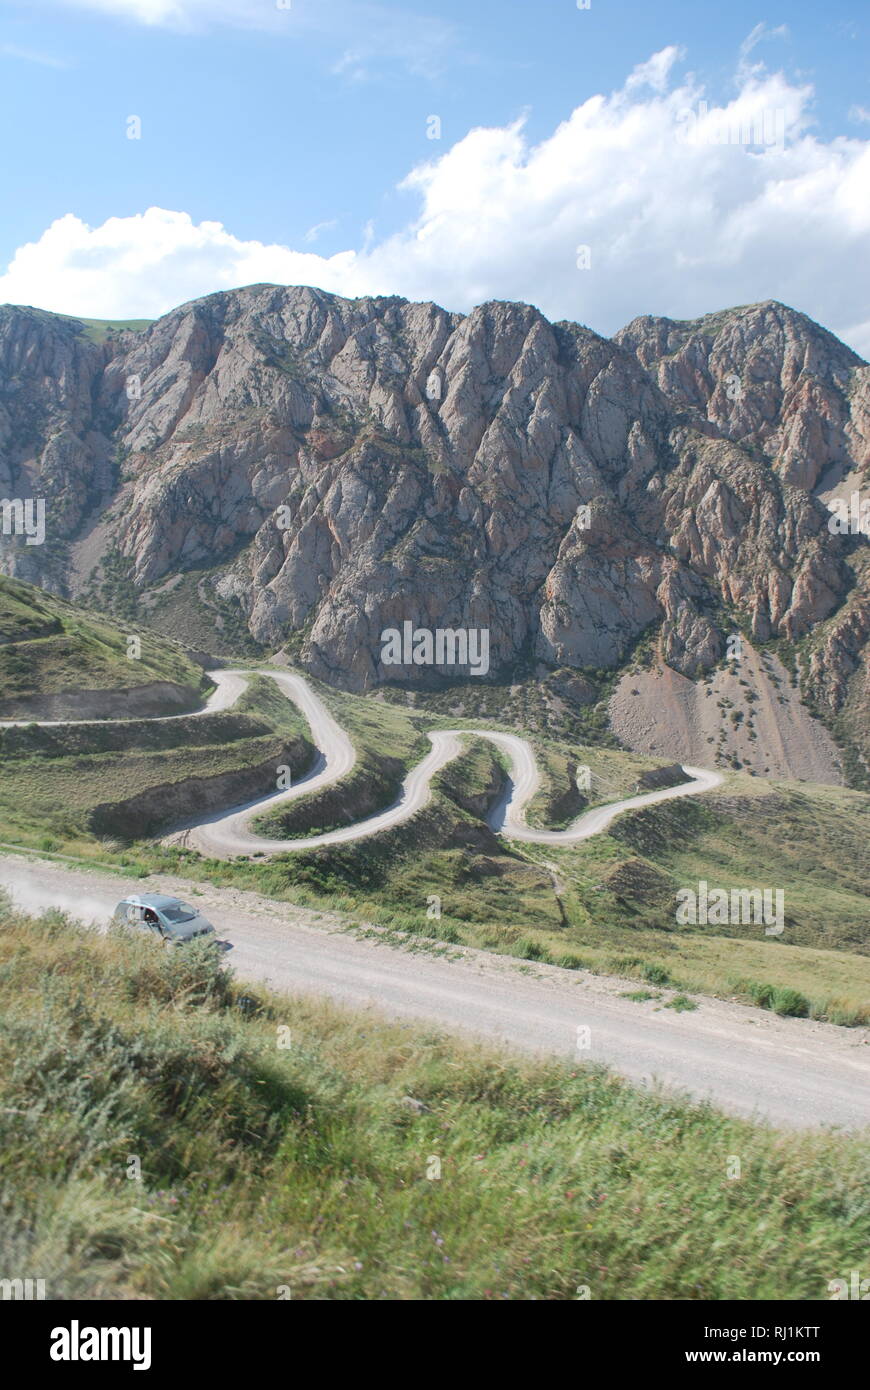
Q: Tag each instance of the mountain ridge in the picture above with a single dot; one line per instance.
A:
(315, 470)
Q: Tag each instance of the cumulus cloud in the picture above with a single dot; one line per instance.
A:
(651, 187)
(141, 266)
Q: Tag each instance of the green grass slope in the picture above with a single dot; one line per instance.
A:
(51, 647)
(161, 1141)
(74, 787)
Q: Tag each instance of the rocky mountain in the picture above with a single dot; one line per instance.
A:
(315, 470)
(768, 378)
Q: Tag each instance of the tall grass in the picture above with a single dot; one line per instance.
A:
(312, 1168)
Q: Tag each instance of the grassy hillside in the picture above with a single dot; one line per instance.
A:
(310, 1170)
(54, 779)
(187, 608)
(564, 703)
(813, 841)
(387, 741)
(50, 647)
(608, 904)
(98, 330)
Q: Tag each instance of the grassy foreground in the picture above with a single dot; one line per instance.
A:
(310, 1170)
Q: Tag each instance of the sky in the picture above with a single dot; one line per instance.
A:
(599, 160)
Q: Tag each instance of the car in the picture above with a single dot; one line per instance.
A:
(170, 919)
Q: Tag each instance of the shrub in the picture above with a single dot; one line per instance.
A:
(568, 961)
(527, 949)
(656, 975)
(187, 975)
(760, 994)
(681, 1003)
(790, 1002)
(447, 932)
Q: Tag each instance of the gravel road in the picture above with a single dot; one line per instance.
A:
(793, 1072)
(224, 834)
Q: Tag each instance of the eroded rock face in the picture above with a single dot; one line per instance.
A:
(55, 441)
(341, 466)
(767, 377)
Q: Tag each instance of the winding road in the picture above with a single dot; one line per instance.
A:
(793, 1072)
(223, 834)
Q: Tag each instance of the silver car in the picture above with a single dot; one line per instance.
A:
(168, 918)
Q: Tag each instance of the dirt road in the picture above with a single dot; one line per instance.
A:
(793, 1072)
(224, 834)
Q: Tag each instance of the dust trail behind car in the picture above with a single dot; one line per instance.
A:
(24, 888)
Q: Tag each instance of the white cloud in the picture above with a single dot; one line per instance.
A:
(758, 35)
(141, 266)
(314, 232)
(32, 55)
(656, 71)
(368, 34)
(676, 226)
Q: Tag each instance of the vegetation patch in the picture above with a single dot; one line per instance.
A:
(307, 1166)
(51, 647)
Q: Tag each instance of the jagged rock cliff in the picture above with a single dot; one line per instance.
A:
(332, 468)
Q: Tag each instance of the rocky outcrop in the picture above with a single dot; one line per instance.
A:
(55, 433)
(334, 468)
(768, 378)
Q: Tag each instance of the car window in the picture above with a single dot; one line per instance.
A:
(133, 913)
(180, 912)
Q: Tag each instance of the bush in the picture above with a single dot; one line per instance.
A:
(527, 949)
(790, 1002)
(191, 975)
(656, 975)
(760, 994)
(570, 962)
(447, 932)
(681, 1003)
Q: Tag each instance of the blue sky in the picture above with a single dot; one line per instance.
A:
(294, 128)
